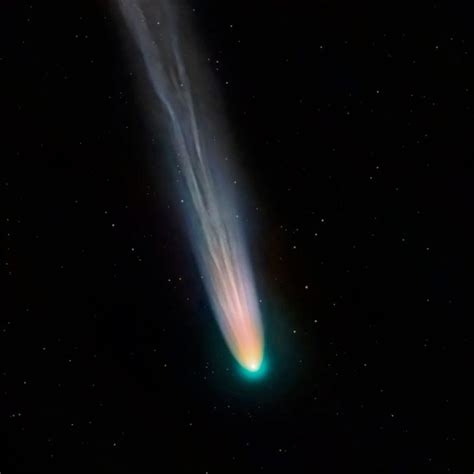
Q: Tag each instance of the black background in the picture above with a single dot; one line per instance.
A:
(353, 124)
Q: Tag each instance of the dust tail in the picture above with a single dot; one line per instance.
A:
(180, 81)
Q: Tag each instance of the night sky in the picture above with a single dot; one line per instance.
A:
(354, 130)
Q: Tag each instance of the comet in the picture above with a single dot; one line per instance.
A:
(200, 149)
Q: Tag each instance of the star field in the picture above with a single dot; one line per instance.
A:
(353, 127)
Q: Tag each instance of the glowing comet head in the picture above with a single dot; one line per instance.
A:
(252, 361)
(255, 371)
